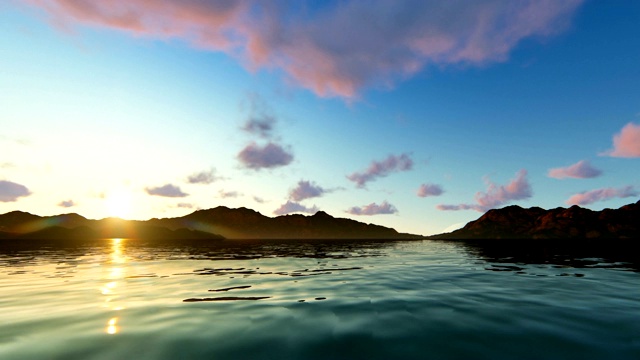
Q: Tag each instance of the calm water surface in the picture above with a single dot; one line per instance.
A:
(125, 299)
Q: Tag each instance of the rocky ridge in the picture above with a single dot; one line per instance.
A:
(515, 222)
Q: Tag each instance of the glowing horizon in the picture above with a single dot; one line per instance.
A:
(416, 116)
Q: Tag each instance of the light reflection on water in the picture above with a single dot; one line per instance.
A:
(122, 298)
(116, 273)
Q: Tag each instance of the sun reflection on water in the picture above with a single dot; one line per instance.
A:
(110, 289)
(111, 326)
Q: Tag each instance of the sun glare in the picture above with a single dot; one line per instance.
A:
(118, 204)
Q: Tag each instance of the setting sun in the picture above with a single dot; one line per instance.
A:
(118, 203)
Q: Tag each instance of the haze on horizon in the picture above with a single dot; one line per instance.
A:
(416, 115)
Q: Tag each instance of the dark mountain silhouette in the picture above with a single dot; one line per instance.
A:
(217, 223)
(243, 223)
(514, 222)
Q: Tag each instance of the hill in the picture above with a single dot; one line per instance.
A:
(243, 223)
(514, 222)
(217, 223)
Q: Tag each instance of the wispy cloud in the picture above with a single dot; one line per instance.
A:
(261, 126)
(340, 49)
(306, 190)
(228, 194)
(260, 121)
(203, 177)
(257, 157)
(626, 144)
(382, 168)
(589, 197)
(496, 195)
(10, 191)
(294, 207)
(167, 190)
(580, 170)
(67, 203)
(373, 209)
(426, 190)
(185, 206)
(259, 200)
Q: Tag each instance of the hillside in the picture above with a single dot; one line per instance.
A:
(217, 223)
(515, 222)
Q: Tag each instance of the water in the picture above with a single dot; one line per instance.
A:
(125, 299)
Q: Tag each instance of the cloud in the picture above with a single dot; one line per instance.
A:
(589, 197)
(429, 190)
(261, 121)
(185, 206)
(203, 177)
(337, 49)
(261, 126)
(259, 200)
(580, 170)
(228, 194)
(167, 190)
(66, 203)
(496, 195)
(445, 207)
(293, 207)
(382, 168)
(626, 144)
(373, 209)
(306, 190)
(10, 191)
(272, 155)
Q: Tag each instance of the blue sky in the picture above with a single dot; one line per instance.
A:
(409, 114)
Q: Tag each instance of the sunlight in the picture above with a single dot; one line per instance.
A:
(110, 289)
(118, 203)
(112, 327)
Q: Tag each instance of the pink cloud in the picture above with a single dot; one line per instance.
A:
(306, 190)
(626, 143)
(339, 49)
(445, 207)
(496, 195)
(382, 168)
(580, 170)
(293, 207)
(426, 190)
(373, 209)
(588, 197)
(257, 157)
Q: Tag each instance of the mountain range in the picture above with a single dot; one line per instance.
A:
(515, 222)
(217, 223)
(511, 222)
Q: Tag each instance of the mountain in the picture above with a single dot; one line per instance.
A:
(217, 223)
(243, 223)
(514, 222)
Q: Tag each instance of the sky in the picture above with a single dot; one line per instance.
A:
(417, 115)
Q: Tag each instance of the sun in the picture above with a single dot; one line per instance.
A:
(118, 203)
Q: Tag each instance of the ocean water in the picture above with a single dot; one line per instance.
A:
(128, 299)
